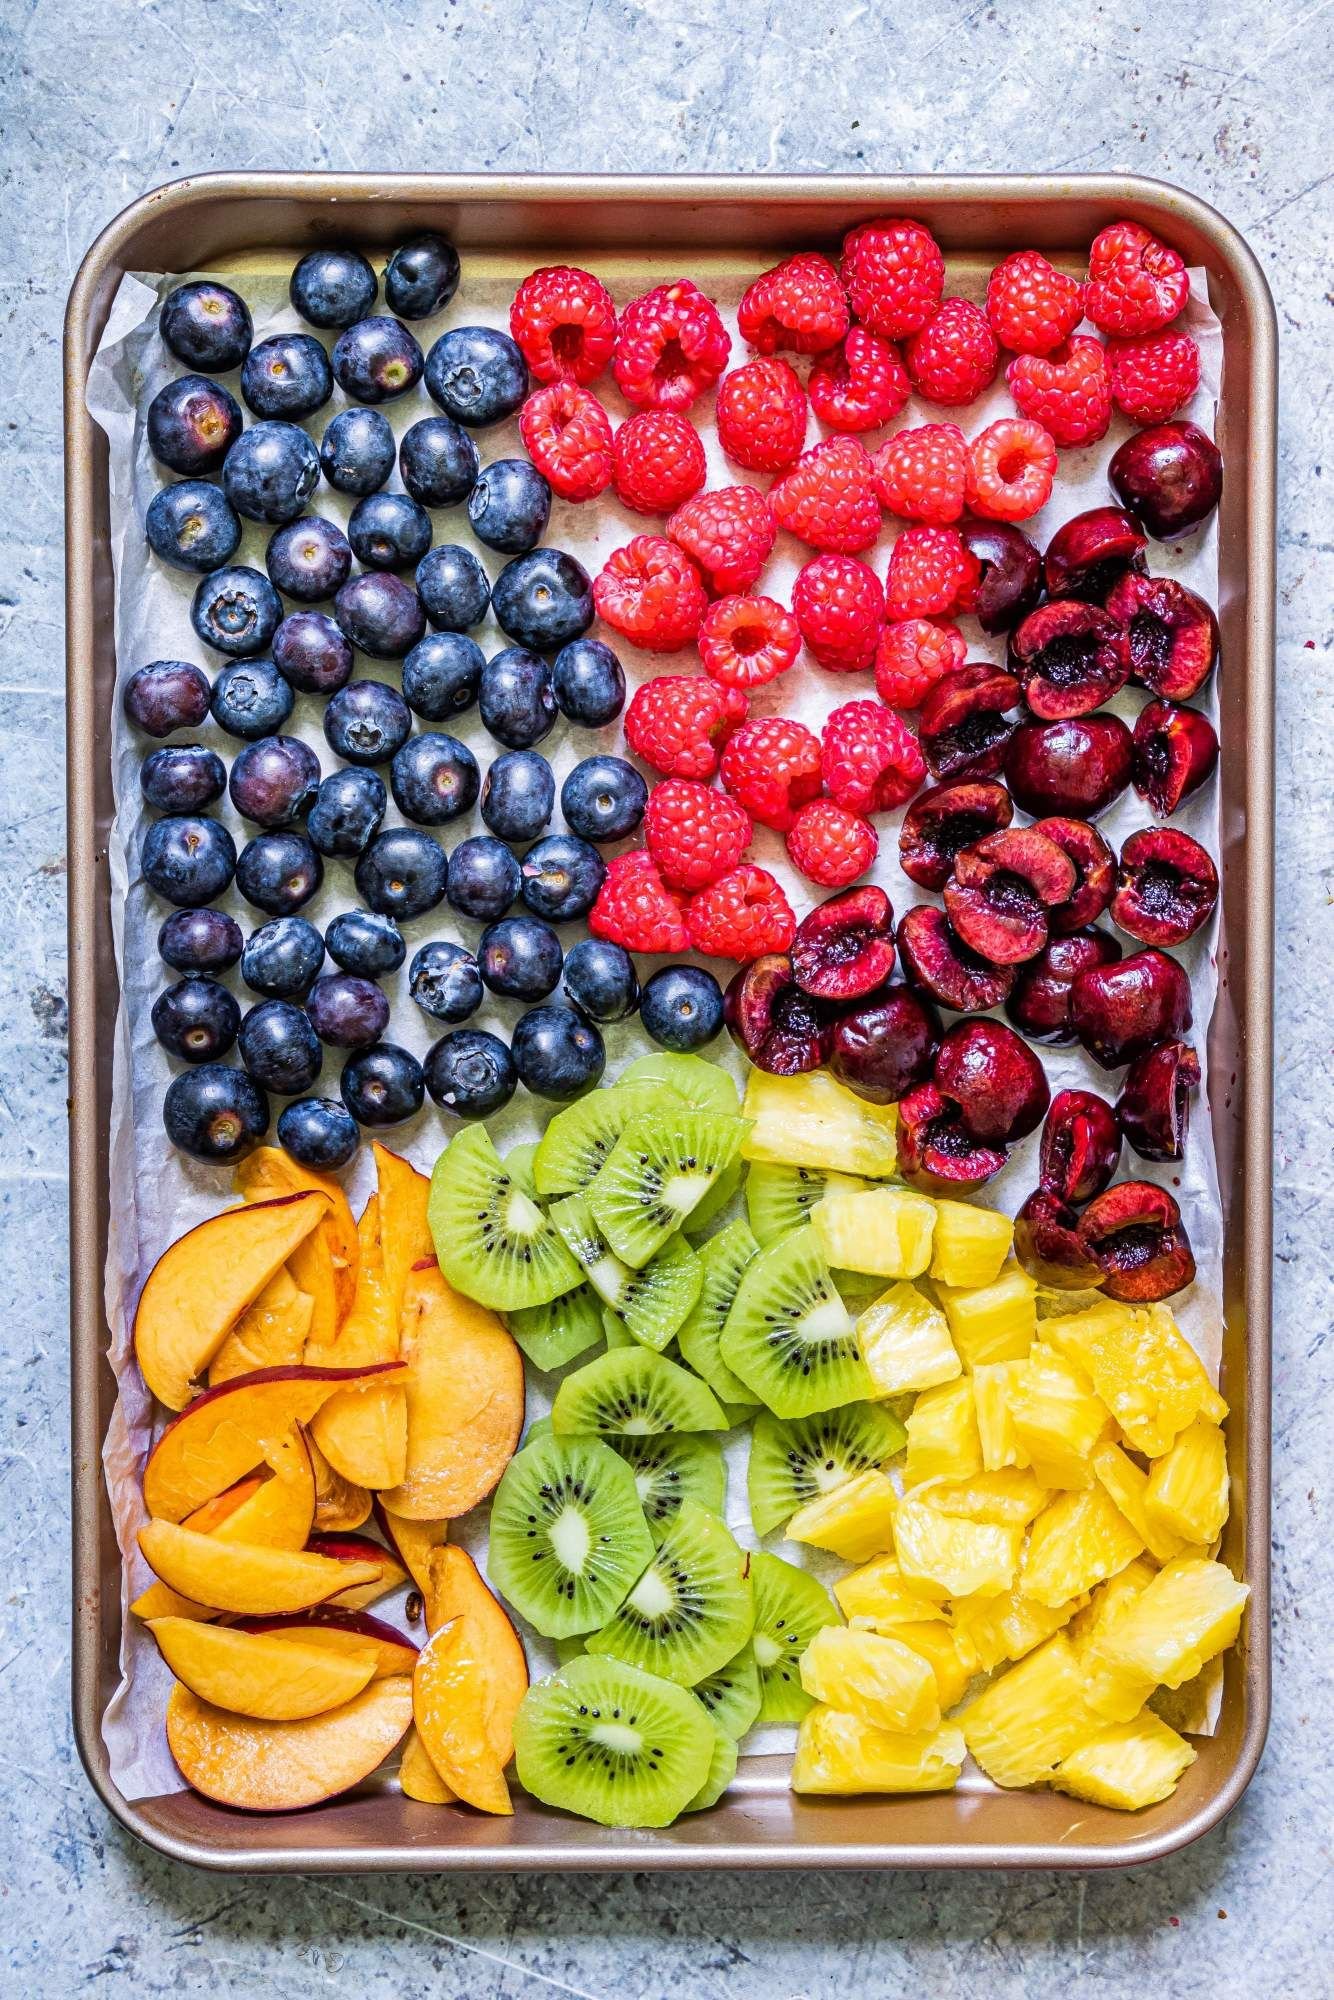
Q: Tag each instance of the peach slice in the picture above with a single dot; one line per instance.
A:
(340, 1505)
(413, 1541)
(313, 1268)
(158, 1602)
(417, 1776)
(269, 1171)
(271, 1333)
(367, 1441)
(341, 1632)
(357, 1551)
(205, 1280)
(251, 1673)
(280, 1513)
(470, 1677)
(277, 1766)
(405, 1238)
(207, 1520)
(245, 1577)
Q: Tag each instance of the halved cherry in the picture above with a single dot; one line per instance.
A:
(1121, 1011)
(845, 947)
(1046, 1243)
(1171, 632)
(963, 728)
(995, 1079)
(1134, 1234)
(936, 1150)
(1154, 1105)
(1001, 890)
(1069, 658)
(1039, 1000)
(1081, 1144)
(884, 1048)
(937, 960)
(1166, 887)
(780, 1028)
(945, 819)
(1088, 554)
(1175, 750)
(1095, 872)
(1010, 582)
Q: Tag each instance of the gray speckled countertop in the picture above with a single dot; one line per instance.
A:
(99, 103)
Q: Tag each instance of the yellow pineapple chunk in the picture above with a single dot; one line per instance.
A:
(872, 1676)
(878, 1592)
(812, 1121)
(1191, 1708)
(906, 1343)
(993, 1384)
(1143, 1368)
(840, 1755)
(1057, 1418)
(1114, 1692)
(970, 1244)
(1078, 1541)
(1011, 1498)
(936, 1644)
(1191, 1611)
(1126, 1764)
(952, 1558)
(855, 1521)
(995, 1322)
(884, 1231)
(988, 1630)
(1107, 1600)
(1128, 1486)
(1188, 1486)
(942, 1434)
(1030, 1719)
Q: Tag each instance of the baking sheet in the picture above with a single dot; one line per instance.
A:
(156, 1193)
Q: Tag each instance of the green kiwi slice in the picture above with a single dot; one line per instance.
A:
(578, 1139)
(660, 1168)
(690, 1610)
(716, 1200)
(732, 1693)
(617, 1746)
(723, 1259)
(540, 1427)
(722, 1770)
(494, 1242)
(789, 1335)
(857, 1289)
(797, 1459)
(615, 1332)
(673, 1467)
(629, 1392)
(568, 1535)
(653, 1301)
(559, 1331)
(702, 1085)
(518, 1164)
(779, 1199)
(790, 1608)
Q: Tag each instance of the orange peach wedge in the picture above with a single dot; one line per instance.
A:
(366, 1441)
(356, 1552)
(413, 1541)
(470, 1677)
(417, 1776)
(251, 1673)
(244, 1577)
(268, 1172)
(341, 1632)
(271, 1333)
(340, 1505)
(277, 1766)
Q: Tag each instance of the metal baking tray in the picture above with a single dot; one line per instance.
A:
(650, 223)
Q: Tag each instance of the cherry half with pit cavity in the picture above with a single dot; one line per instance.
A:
(845, 948)
(1087, 554)
(1080, 1147)
(936, 1151)
(1001, 890)
(1171, 634)
(938, 962)
(1095, 872)
(780, 1028)
(1069, 658)
(1010, 582)
(1154, 1105)
(963, 728)
(1135, 1235)
(1166, 886)
(1174, 751)
(1047, 1244)
(942, 821)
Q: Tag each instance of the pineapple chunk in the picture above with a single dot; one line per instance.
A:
(1188, 1486)
(1078, 1541)
(906, 1343)
(988, 1630)
(855, 1521)
(936, 1644)
(878, 1593)
(812, 1121)
(993, 1384)
(1010, 1498)
(840, 1755)
(1029, 1720)
(1113, 1692)
(1128, 1486)
(1106, 1601)
(1057, 1418)
(1191, 1611)
(951, 1558)
(1127, 1764)
(876, 1678)
(885, 1231)
(970, 1244)
(942, 1434)
(1191, 1708)
(1143, 1368)
(995, 1322)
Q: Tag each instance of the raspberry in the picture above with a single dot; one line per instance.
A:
(771, 767)
(761, 413)
(1011, 466)
(860, 385)
(894, 275)
(658, 461)
(828, 499)
(870, 758)
(670, 347)
(746, 641)
(1068, 391)
(728, 533)
(920, 473)
(565, 323)
(929, 569)
(1031, 305)
(954, 357)
(567, 434)
(636, 909)
(678, 723)
(1136, 284)
(830, 845)
(839, 603)
(912, 655)
(743, 915)
(694, 834)
(799, 305)
(650, 591)
(1153, 377)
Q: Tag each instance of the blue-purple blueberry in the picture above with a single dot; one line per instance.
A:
(470, 1073)
(454, 588)
(518, 795)
(382, 1085)
(188, 859)
(402, 873)
(434, 778)
(543, 600)
(282, 958)
(561, 877)
(477, 375)
(192, 525)
(182, 778)
(347, 812)
(274, 781)
(318, 1133)
(422, 276)
(308, 559)
(200, 940)
(196, 1019)
(376, 360)
(442, 674)
(270, 472)
(311, 653)
(484, 878)
(215, 1113)
(681, 1008)
(332, 287)
(438, 462)
(207, 326)
(192, 424)
(357, 451)
(603, 798)
(589, 683)
(444, 981)
(280, 1048)
(347, 1011)
(166, 695)
(380, 614)
(509, 507)
(366, 722)
(287, 376)
(236, 610)
(251, 699)
(520, 958)
(515, 698)
(278, 872)
(389, 531)
(558, 1054)
(600, 980)
(361, 941)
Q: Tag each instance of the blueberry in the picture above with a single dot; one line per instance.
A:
(347, 811)
(182, 779)
(287, 376)
(484, 878)
(434, 778)
(589, 683)
(380, 614)
(278, 872)
(557, 1053)
(196, 1020)
(438, 462)
(200, 941)
(346, 1011)
(308, 559)
(402, 873)
(444, 981)
(389, 531)
(236, 611)
(192, 525)
(270, 472)
(383, 1085)
(520, 957)
(470, 1073)
(191, 425)
(477, 375)
(561, 877)
(518, 794)
(376, 360)
(422, 276)
(515, 698)
(453, 587)
(318, 1133)
(274, 781)
(251, 699)
(206, 326)
(357, 451)
(599, 980)
(311, 653)
(509, 508)
(282, 958)
(332, 287)
(215, 1113)
(360, 941)
(603, 798)
(166, 695)
(681, 1008)
(543, 600)
(442, 674)
(366, 722)
(188, 859)
(279, 1047)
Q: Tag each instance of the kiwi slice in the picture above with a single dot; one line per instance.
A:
(723, 1259)
(732, 1694)
(857, 1289)
(652, 1301)
(700, 1084)
(690, 1610)
(493, 1241)
(571, 1648)
(779, 1199)
(617, 1746)
(518, 1164)
(670, 1468)
(568, 1535)
(661, 1167)
(716, 1200)
(578, 1139)
(797, 1460)
(540, 1427)
(615, 1331)
(629, 1392)
(554, 1333)
(722, 1770)
(790, 1608)
(789, 1335)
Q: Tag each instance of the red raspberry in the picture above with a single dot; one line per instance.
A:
(920, 473)
(658, 461)
(1068, 392)
(954, 357)
(728, 533)
(567, 434)
(565, 323)
(828, 499)
(671, 346)
(870, 758)
(1154, 377)
(694, 834)
(635, 908)
(894, 274)
(746, 641)
(678, 723)
(912, 655)
(860, 385)
(761, 413)
(1136, 284)
(743, 915)
(772, 766)
(1031, 305)
(650, 591)
(1011, 466)
(830, 845)
(799, 305)
(929, 570)
(839, 603)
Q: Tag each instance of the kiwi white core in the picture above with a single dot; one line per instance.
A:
(685, 1191)
(768, 1652)
(523, 1218)
(651, 1596)
(617, 1736)
(570, 1540)
(829, 1320)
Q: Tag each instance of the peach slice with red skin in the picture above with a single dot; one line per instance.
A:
(245, 1577)
(278, 1766)
(412, 1541)
(358, 1552)
(252, 1673)
(340, 1631)
(470, 1677)
(271, 1333)
(418, 1778)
